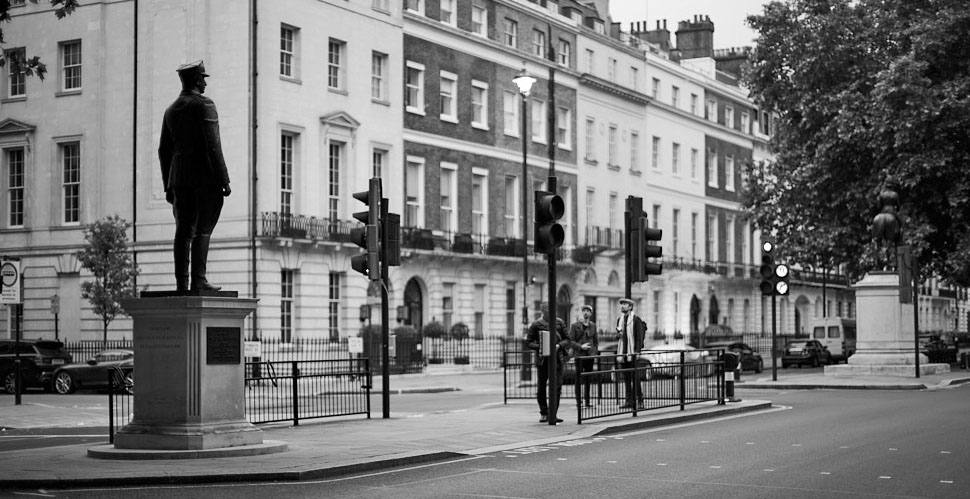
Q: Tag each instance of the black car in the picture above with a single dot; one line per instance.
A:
(94, 373)
(808, 352)
(38, 359)
(750, 358)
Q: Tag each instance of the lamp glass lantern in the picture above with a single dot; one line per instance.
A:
(524, 82)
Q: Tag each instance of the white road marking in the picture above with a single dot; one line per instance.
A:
(893, 448)
(945, 452)
(661, 464)
(749, 443)
(715, 467)
(769, 470)
(946, 481)
(825, 473)
(796, 445)
(885, 477)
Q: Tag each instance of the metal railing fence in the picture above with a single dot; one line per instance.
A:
(309, 389)
(275, 391)
(662, 384)
(120, 399)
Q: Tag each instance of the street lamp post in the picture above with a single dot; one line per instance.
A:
(524, 82)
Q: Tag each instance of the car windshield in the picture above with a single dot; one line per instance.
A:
(50, 348)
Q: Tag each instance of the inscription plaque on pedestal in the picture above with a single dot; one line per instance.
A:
(222, 345)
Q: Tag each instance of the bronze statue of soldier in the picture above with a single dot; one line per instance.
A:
(194, 175)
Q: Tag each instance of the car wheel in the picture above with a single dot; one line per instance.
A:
(64, 383)
(815, 362)
(760, 366)
(10, 383)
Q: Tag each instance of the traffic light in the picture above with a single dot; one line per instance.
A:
(645, 244)
(548, 235)
(774, 276)
(367, 237)
(392, 239)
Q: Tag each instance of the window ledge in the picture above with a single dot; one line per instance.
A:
(511, 134)
(66, 93)
(8, 100)
(636, 173)
(338, 91)
(381, 102)
(565, 147)
(613, 167)
(291, 79)
(591, 161)
(480, 126)
(448, 118)
(414, 110)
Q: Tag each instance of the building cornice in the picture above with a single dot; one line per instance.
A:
(598, 83)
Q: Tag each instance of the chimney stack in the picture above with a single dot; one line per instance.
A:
(696, 39)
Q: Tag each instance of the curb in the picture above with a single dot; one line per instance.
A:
(582, 431)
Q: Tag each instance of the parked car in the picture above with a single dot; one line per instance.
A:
(749, 357)
(808, 352)
(94, 372)
(937, 350)
(38, 359)
(665, 360)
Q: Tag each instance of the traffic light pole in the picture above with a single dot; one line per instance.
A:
(553, 328)
(385, 318)
(774, 343)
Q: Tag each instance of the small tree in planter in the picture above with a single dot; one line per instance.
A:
(459, 333)
(434, 331)
(409, 352)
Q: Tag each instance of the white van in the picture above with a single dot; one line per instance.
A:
(837, 334)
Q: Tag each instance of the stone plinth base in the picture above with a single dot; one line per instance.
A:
(187, 436)
(191, 374)
(109, 452)
(900, 370)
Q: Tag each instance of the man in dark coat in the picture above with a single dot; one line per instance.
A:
(630, 332)
(583, 334)
(194, 175)
(562, 344)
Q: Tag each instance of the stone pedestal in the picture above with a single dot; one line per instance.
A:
(885, 332)
(190, 393)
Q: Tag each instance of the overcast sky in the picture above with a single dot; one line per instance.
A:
(727, 15)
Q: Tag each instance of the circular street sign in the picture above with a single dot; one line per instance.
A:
(8, 274)
(781, 287)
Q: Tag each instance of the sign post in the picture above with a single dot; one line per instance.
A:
(10, 284)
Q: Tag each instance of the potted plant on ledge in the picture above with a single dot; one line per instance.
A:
(434, 331)
(459, 333)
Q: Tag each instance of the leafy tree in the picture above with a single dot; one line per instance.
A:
(18, 61)
(869, 94)
(107, 256)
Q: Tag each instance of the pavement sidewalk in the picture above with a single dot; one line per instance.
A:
(333, 447)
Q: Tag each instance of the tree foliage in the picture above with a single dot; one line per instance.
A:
(869, 94)
(106, 254)
(19, 61)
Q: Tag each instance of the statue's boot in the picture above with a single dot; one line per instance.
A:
(200, 254)
(181, 251)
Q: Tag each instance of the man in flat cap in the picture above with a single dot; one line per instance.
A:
(630, 332)
(194, 175)
(583, 334)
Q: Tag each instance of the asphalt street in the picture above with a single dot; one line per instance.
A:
(814, 444)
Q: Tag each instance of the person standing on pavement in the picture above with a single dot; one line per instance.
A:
(630, 331)
(583, 335)
(561, 343)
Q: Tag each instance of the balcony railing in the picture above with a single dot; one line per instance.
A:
(604, 237)
(276, 224)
